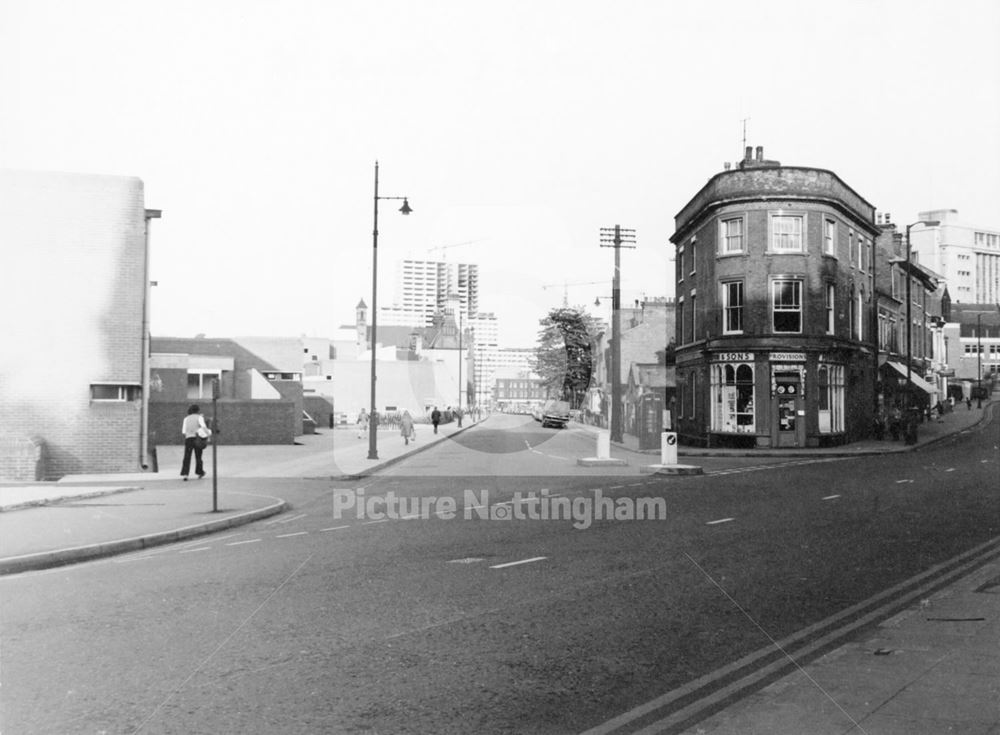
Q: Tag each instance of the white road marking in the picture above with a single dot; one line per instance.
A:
(467, 560)
(334, 528)
(515, 563)
(237, 543)
(950, 469)
(293, 518)
(616, 487)
(289, 535)
(831, 497)
(721, 520)
(368, 523)
(200, 548)
(899, 482)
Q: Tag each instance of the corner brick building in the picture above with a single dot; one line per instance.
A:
(774, 284)
(73, 288)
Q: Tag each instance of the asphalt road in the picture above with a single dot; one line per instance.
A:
(323, 622)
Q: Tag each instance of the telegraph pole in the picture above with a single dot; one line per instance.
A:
(616, 237)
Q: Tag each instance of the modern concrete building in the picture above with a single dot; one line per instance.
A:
(774, 288)
(967, 256)
(423, 287)
(75, 279)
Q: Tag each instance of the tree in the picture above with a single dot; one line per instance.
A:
(563, 358)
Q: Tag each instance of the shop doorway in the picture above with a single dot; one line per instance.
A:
(788, 426)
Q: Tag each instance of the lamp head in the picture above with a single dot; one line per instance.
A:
(597, 301)
(405, 209)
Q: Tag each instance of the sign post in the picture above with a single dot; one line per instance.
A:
(668, 448)
(215, 444)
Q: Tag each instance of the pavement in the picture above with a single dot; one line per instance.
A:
(934, 668)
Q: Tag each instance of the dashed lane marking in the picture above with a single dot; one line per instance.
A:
(333, 528)
(950, 469)
(516, 563)
(368, 523)
(721, 520)
(239, 543)
(831, 497)
(900, 482)
(191, 551)
(293, 518)
(289, 535)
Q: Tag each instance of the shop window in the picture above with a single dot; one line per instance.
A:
(830, 398)
(732, 391)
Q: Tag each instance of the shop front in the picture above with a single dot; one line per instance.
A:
(776, 399)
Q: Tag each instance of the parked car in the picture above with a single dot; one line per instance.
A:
(555, 414)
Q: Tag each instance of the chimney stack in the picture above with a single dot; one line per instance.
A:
(760, 154)
(887, 218)
(749, 153)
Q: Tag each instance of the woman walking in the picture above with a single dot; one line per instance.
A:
(195, 438)
(406, 427)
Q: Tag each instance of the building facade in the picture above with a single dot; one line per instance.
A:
(423, 288)
(75, 274)
(912, 307)
(966, 256)
(775, 299)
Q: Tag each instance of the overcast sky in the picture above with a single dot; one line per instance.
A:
(523, 127)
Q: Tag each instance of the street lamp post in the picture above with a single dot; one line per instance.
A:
(909, 319)
(372, 419)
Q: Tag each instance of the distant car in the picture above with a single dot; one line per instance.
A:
(555, 414)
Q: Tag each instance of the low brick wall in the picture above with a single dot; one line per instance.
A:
(22, 458)
(240, 421)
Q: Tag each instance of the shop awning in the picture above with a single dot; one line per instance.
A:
(914, 377)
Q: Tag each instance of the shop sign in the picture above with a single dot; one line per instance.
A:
(733, 357)
(787, 357)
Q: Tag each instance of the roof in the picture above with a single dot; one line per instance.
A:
(217, 347)
(650, 375)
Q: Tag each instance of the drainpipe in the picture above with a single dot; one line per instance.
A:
(144, 399)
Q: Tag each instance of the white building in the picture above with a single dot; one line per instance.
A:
(422, 289)
(485, 335)
(967, 256)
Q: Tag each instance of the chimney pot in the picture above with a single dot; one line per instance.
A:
(749, 153)
(887, 218)
(760, 153)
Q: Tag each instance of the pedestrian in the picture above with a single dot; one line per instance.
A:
(435, 418)
(458, 416)
(968, 403)
(196, 435)
(406, 427)
(362, 424)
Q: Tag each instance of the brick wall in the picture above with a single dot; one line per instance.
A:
(83, 237)
(240, 421)
(21, 458)
(320, 408)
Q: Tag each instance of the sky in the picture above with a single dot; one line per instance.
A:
(517, 130)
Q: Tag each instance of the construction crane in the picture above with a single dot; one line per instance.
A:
(444, 248)
(566, 284)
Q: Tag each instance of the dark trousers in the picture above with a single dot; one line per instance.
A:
(435, 427)
(190, 446)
